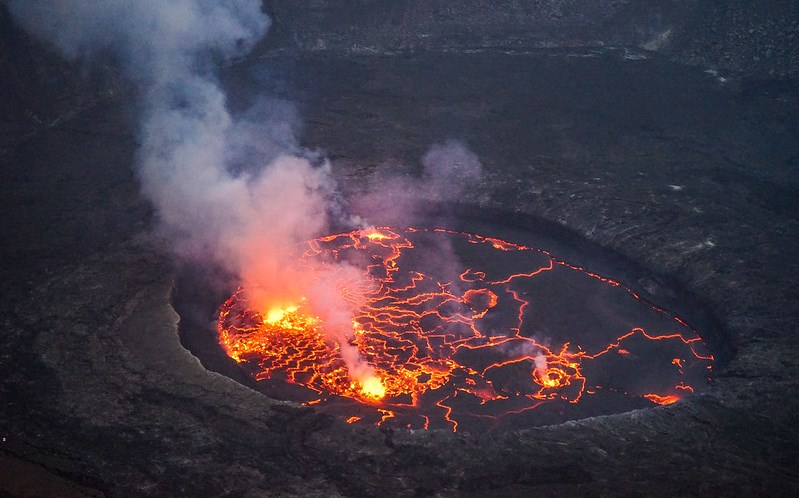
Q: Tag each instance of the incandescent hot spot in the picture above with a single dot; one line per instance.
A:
(461, 331)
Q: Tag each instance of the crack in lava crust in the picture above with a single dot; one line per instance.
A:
(463, 330)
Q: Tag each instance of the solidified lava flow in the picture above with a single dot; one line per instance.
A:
(463, 331)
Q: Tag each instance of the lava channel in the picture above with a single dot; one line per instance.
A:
(464, 331)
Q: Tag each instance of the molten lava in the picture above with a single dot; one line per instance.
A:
(373, 388)
(446, 345)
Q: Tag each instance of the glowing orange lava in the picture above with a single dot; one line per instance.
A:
(662, 400)
(447, 346)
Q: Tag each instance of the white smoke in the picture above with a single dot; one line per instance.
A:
(230, 191)
(190, 144)
(540, 365)
(529, 350)
(158, 42)
(235, 191)
(449, 169)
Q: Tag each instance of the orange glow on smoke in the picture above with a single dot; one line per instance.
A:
(433, 351)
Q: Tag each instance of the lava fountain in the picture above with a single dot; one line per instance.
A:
(463, 331)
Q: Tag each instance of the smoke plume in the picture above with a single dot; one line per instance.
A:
(236, 192)
(449, 169)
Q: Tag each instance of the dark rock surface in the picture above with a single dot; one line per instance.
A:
(39, 90)
(693, 178)
(756, 38)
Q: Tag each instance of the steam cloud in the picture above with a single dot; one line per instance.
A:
(235, 191)
(528, 350)
(449, 169)
(226, 190)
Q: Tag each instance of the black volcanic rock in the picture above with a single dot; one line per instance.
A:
(756, 38)
(39, 90)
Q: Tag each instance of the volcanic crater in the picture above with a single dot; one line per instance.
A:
(464, 331)
(650, 143)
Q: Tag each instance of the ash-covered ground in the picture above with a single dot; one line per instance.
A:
(689, 174)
